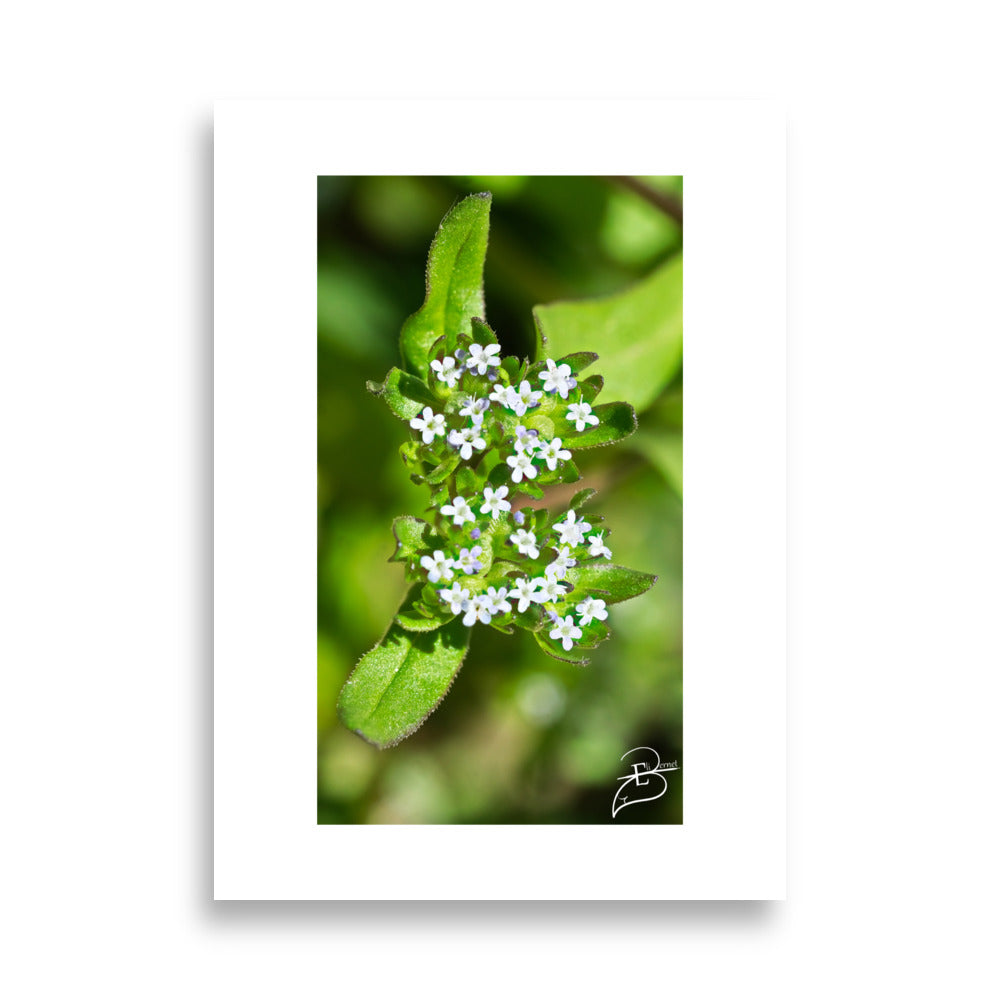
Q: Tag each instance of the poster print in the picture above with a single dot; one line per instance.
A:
(500, 440)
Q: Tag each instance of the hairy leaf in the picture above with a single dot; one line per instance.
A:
(639, 333)
(396, 685)
(405, 394)
(454, 283)
(617, 421)
(412, 537)
(613, 583)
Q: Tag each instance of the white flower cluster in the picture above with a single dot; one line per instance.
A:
(544, 584)
(529, 448)
(545, 589)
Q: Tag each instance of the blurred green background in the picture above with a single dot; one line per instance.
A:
(520, 738)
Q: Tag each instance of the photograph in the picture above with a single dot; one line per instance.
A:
(500, 499)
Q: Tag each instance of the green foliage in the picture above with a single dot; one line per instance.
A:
(454, 283)
(490, 433)
(396, 685)
(639, 333)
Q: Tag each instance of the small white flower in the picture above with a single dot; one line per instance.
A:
(557, 379)
(465, 440)
(521, 467)
(571, 531)
(437, 566)
(459, 511)
(523, 398)
(597, 546)
(566, 631)
(525, 542)
(454, 596)
(525, 440)
(474, 408)
(581, 414)
(495, 503)
(552, 454)
(447, 371)
(591, 608)
(481, 358)
(478, 608)
(522, 592)
(547, 589)
(468, 560)
(499, 394)
(430, 423)
(561, 565)
(498, 603)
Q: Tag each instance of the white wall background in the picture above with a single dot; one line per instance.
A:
(893, 496)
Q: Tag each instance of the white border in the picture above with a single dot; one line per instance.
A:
(267, 842)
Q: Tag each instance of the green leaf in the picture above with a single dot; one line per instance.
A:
(413, 536)
(590, 388)
(617, 421)
(639, 333)
(528, 486)
(396, 685)
(613, 583)
(441, 472)
(555, 649)
(466, 482)
(405, 394)
(482, 332)
(415, 616)
(454, 283)
(579, 499)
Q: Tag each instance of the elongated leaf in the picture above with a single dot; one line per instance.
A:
(613, 583)
(396, 685)
(617, 421)
(454, 283)
(406, 395)
(482, 332)
(638, 333)
(579, 499)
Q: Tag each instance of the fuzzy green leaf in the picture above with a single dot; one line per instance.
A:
(639, 333)
(617, 421)
(396, 685)
(413, 536)
(613, 583)
(406, 395)
(454, 283)
(579, 499)
(482, 332)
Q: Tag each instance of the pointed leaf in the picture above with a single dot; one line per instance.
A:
(454, 283)
(617, 421)
(579, 499)
(396, 685)
(406, 395)
(639, 333)
(613, 583)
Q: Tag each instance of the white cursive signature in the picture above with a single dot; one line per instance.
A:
(644, 775)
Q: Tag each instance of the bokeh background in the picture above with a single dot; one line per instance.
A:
(520, 738)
